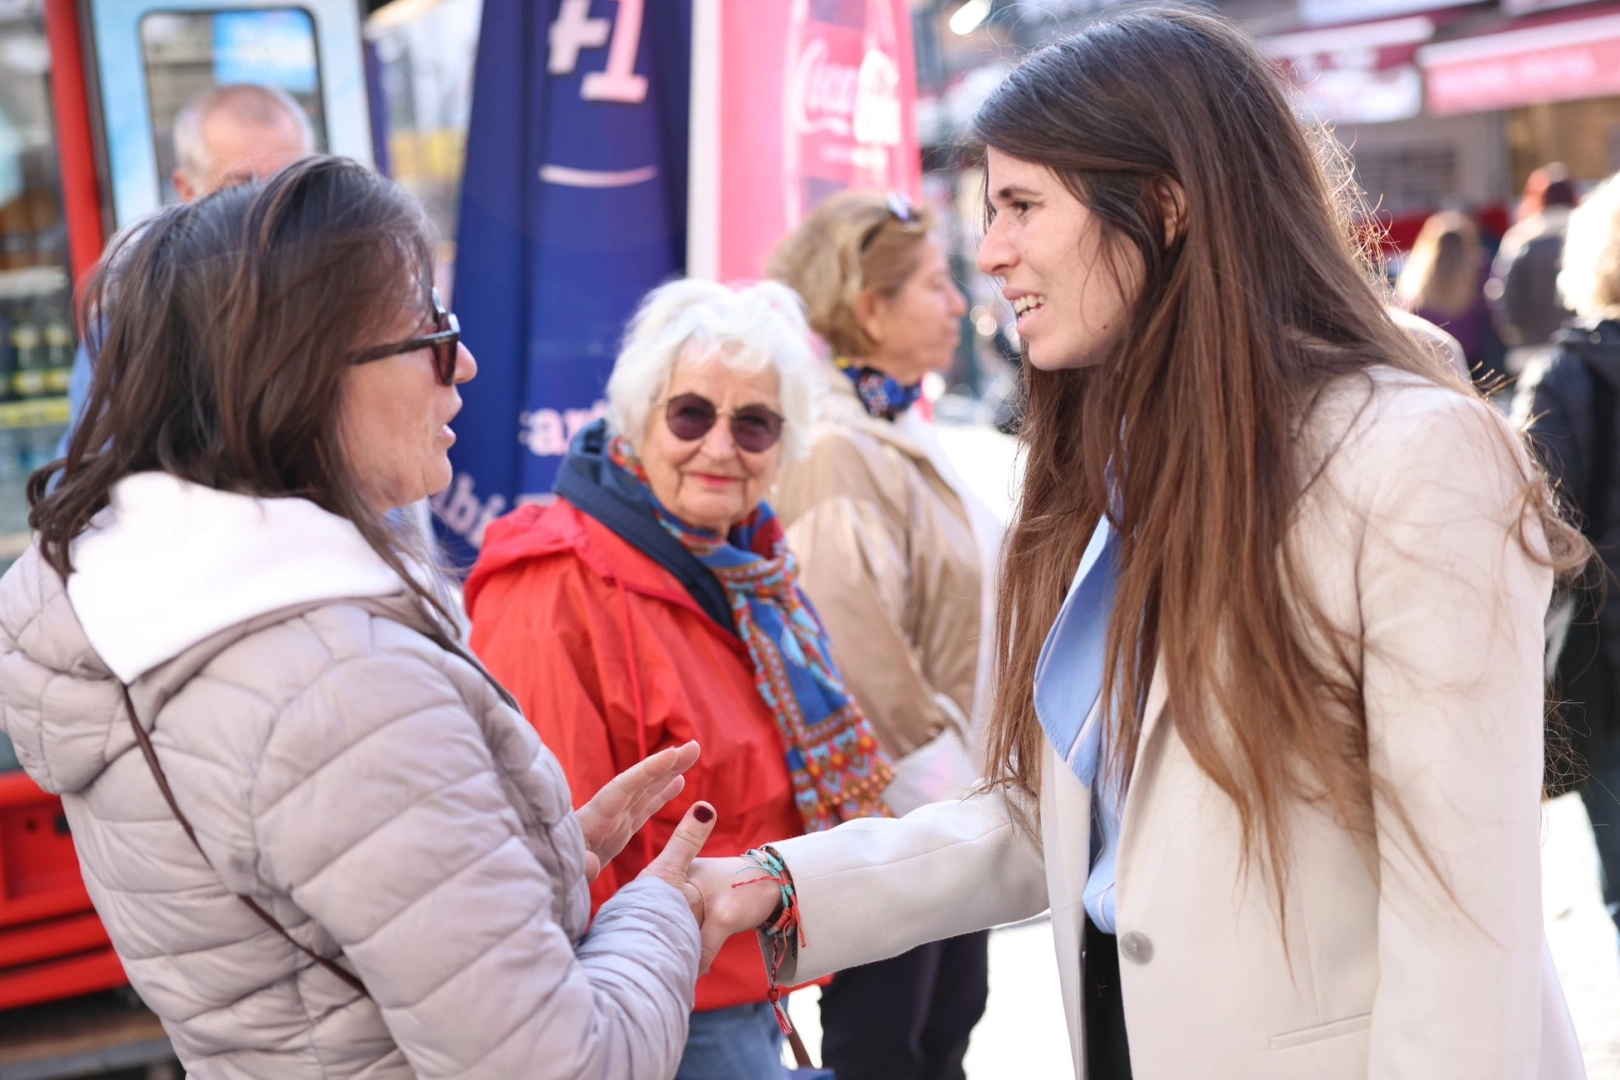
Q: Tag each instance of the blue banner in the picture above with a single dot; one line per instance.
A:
(573, 206)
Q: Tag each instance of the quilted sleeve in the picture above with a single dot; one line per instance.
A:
(379, 809)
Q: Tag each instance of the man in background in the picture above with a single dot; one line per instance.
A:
(1523, 287)
(223, 136)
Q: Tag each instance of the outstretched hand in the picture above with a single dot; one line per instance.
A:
(736, 896)
(625, 803)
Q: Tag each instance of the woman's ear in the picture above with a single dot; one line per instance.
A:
(1173, 209)
(869, 311)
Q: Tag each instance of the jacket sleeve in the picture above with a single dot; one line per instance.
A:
(875, 887)
(854, 565)
(1507, 292)
(1452, 606)
(378, 809)
(1550, 413)
(539, 627)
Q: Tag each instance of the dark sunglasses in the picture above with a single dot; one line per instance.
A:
(754, 428)
(443, 342)
(900, 209)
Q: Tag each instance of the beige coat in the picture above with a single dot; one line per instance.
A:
(376, 792)
(1411, 538)
(888, 556)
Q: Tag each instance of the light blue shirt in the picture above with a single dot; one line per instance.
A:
(1068, 695)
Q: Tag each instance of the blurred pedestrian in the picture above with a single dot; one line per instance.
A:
(1573, 410)
(1443, 281)
(223, 135)
(1523, 287)
(1267, 740)
(322, 840)
(889, 555)
(657, 602)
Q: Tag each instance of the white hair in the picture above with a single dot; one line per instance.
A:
(1590, 279)
(748, 330)
(248, 103)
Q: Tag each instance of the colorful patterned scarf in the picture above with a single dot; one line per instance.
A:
(884, 397)
(839, 771)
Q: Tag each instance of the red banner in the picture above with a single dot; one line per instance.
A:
(804, 98)
(1557, 62)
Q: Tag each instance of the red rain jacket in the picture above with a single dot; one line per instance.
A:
(613, 660)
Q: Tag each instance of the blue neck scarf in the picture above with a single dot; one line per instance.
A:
(883, 396)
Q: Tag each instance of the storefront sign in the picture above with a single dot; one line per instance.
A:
(1350, 95)
(806, 98)
(1561, 62)
(1331, 12)
(1524, 7)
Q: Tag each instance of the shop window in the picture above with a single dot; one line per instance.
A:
(36, 337)
(1415, 176)
(185, 53)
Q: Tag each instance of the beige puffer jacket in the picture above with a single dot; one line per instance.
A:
(376, 792)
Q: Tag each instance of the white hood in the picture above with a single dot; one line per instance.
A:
(170, 563)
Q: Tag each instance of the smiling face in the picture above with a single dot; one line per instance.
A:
(711, 483)
(917, 329)
(394, 420)
(1072, 300)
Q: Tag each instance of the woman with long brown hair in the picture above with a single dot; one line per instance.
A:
(1268, 731)
(322, 839)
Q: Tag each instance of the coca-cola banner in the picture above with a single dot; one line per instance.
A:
(793, 100)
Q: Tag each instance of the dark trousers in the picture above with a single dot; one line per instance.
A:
(1108, 1052)
(907, 1018)
(1592, 728)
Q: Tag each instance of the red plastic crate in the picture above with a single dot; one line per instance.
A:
(52, 945)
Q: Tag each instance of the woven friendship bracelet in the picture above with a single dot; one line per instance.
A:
(784, 930)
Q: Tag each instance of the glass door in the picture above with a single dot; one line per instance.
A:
(36, 318)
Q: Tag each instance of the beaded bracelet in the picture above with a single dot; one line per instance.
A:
(784, 930)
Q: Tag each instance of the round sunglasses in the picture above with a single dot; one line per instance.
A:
(444, 341)
(754, 428)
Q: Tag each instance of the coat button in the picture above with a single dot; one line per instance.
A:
(1136, 948)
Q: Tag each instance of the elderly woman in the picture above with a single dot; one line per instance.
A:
(1573, 409)
(898, 558)
(656, 602)
(323, 841)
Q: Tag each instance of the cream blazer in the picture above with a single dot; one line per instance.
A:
(1411, 537)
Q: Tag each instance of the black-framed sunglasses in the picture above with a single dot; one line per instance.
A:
(900, 209)
(754, 428)
(444, 342)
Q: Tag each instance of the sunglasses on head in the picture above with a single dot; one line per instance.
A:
(900, 209)
(754, 428)
(443, 341)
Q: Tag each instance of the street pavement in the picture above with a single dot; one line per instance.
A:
(1022, 1033)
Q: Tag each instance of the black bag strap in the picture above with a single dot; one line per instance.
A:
(348, 977)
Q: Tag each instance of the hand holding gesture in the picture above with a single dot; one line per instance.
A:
(625, 803)
(736, 896)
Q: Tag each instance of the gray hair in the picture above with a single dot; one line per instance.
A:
(248, 103)
(748, 330)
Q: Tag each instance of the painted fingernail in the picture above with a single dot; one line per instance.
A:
(703, 813)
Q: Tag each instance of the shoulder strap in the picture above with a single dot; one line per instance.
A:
(269, 920)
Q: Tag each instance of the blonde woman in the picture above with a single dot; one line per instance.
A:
(1443, 281)
(896, 557)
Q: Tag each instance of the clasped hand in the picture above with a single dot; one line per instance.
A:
(626, 803)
